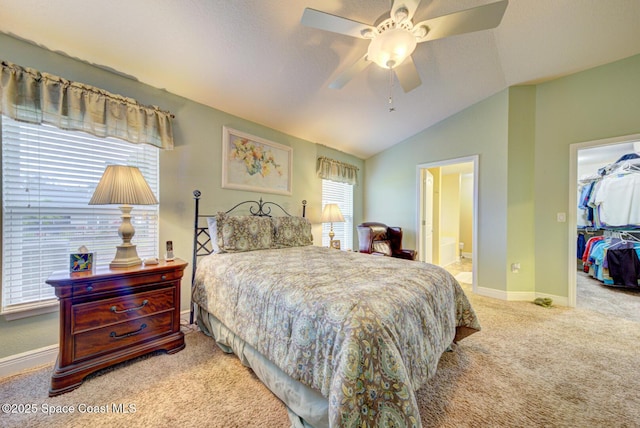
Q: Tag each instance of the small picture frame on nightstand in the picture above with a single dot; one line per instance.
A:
(81, 262)
(169, 254)
(335, 244)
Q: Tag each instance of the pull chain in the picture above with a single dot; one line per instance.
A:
(391, 81)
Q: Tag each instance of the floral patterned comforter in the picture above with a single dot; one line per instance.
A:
(366, 331)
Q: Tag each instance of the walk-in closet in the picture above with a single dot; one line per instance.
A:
(608, 228)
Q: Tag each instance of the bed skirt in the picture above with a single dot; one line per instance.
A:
(307, 408)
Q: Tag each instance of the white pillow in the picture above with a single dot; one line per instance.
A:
(213, 233)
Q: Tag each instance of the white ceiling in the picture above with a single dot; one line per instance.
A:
(253, 58)
(602, 155)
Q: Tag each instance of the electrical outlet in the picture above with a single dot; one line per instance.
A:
(561, 217)
(515, 267)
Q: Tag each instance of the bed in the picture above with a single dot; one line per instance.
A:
(344, 339)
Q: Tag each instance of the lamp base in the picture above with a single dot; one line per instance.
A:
(331, 234)
(126, 256)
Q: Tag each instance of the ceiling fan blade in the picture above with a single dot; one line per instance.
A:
(465, 21)
(350, 73)
(335, 24)
(409, 5)
(408, 75)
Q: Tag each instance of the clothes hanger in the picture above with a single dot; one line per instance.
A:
(615, 244)
(630, 237)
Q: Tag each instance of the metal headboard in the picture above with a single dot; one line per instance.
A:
(202, 238)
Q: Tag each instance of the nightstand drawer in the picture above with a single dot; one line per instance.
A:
(116, 336)
(110, 311)
(122, 284)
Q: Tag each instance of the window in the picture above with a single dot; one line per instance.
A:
(48, 178)
(341, 194)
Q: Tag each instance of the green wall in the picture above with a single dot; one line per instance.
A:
(522, 136)
(391, 179)
(599, 103)
(193, 164)
(520, 209)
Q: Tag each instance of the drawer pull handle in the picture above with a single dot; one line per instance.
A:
(116, 311)
(133, 333)
(90, 288)
(164, 277)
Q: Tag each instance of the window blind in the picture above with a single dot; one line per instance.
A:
(48, 178)
(341, 194)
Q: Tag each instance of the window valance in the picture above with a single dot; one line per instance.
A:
(31, 96)
(331, 169)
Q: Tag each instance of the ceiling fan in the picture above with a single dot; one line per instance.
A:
(394, 39)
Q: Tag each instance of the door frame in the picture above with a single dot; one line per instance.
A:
(425, 254)
(572, 292)
(420, 202)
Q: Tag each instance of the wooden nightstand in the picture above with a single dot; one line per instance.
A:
(112, 315)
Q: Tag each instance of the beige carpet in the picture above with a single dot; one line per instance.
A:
(529, 367)
(465, 277)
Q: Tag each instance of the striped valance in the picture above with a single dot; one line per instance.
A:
(331, 169)
(31, 96)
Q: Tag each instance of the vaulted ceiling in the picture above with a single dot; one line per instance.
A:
(254, 59)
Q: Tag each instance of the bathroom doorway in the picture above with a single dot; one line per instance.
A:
(447, 202)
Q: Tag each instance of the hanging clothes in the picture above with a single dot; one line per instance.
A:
(618, 200)
(624, 266)
(587, 250)
(612, 198)
(582, 245)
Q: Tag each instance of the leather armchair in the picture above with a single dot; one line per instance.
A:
(380, 239)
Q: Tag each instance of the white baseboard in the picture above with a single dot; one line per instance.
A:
(15, 364)
(491, 292)
(468, 256)
(521, 296)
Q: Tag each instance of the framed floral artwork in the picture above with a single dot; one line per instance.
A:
(254, 164)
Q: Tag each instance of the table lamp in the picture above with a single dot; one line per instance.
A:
(330, 214)
(125, 186)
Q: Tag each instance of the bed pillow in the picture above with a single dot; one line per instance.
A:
(213, 234)
(243, 233)
(291, 232)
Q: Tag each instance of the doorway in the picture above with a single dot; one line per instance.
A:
(585, 157)
(447, 216)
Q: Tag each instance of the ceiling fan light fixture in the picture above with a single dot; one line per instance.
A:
(392, 47)
(393, 40)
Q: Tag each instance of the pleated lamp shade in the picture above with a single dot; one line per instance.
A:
(331, 213)
(123, 185)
